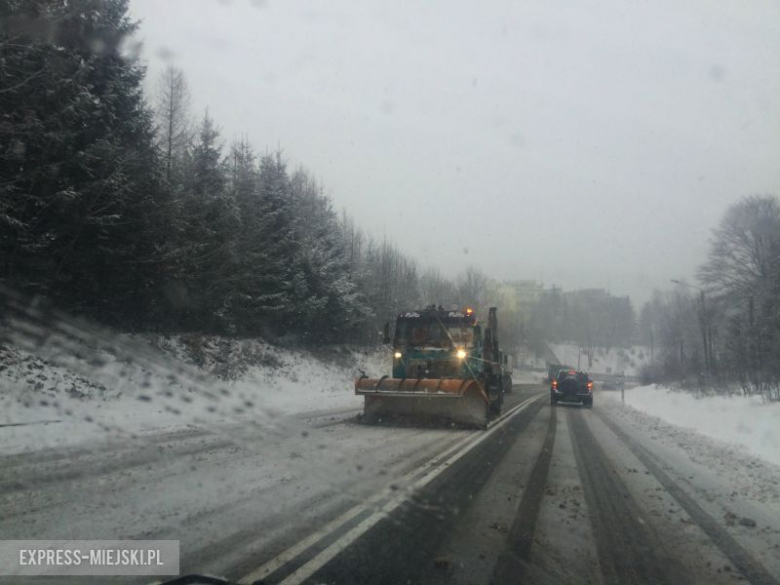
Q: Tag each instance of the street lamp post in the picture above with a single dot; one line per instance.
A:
(702, 322)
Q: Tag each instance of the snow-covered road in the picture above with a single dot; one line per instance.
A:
(227, 492)
(554, 495)
(269, 475)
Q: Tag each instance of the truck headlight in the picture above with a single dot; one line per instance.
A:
(461, 354)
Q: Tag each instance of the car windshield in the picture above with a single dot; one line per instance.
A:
(369, 292)
(462, 336)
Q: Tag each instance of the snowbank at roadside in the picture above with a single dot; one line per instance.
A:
(71, 392)
(744, 421)
(617, 360)
(302, 383)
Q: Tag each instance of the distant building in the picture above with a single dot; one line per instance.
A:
(527, 292)
(595, 295)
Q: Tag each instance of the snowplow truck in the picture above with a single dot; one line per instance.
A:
(445, 366)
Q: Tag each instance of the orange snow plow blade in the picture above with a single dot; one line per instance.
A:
(463, 402)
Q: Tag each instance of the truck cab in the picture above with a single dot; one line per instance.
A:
(435, 343)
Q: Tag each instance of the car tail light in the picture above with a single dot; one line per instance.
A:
(590, 386)
(555, 383)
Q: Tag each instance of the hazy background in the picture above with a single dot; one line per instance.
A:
(587, 144)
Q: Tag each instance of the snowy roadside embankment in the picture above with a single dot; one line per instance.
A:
(744, 421)
(284, 380)
(527, 377)
(71, 392)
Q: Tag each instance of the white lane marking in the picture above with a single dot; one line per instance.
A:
(292, 552)
(460, 448)
(342, 543)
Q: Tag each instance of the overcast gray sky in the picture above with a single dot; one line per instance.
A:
(583, 143)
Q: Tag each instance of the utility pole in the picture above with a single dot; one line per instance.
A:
(652, 352)
(703, 323)
(703, 319)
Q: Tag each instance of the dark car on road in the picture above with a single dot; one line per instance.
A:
(572, 386)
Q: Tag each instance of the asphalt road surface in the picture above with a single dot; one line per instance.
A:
(546, 495)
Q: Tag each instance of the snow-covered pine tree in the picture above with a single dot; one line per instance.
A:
(78, 181)
(267, 247)
(174, 132)
(329, 301)
(208, 225)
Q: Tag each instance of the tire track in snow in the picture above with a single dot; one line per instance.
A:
(745, 562)
(398, 547)
(629, 550)
(327, 507)
(511, 563)
(34, 479)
